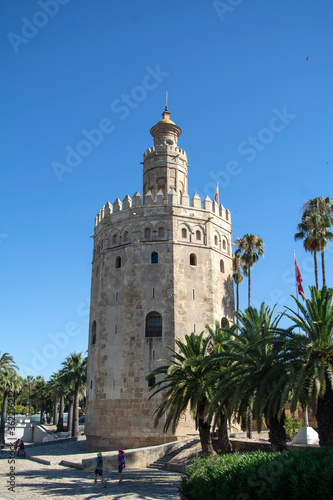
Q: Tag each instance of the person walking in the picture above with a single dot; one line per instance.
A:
(121, 464)
(21, 449)
(99, 469)
(16, 445)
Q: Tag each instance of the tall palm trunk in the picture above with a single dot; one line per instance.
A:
(70, 417)
(249, 424)
(3, 416)
(237, 298)
(277, 433)
(249, 292)
(60, 425)
(325, 415)
(223, 442)
(42, 418)
(55, 411)
(204, 431)
(315, 268)
(323, 267)
(75, 425)
(29, 402)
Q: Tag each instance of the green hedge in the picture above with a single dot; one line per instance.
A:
(295, 474)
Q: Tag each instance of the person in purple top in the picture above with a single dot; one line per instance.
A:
(121, 464)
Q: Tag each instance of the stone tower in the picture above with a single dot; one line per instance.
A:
(162, 268)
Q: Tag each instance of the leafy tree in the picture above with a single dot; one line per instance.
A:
(251, 247)
(74, 375)
(310, 358)
(184, 384)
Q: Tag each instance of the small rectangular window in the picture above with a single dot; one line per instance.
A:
(151, 382)
(193, 293)
(115, 328)
(153, 293)
(194, 327)
(90, 384)
(153, 353)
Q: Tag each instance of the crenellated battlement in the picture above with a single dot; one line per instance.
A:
(164, 148)
(118, 206)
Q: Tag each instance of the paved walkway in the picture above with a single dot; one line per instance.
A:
(34, 481)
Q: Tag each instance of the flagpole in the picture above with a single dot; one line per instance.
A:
(299, 331)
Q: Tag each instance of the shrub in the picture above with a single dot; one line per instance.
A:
(21, 410)
(292, 426)
(295, 474)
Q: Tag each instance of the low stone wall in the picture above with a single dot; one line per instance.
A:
(137, 458)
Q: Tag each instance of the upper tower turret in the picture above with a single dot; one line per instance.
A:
(165, 164)
(165, 132)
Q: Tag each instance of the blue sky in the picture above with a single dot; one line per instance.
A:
(256, 117)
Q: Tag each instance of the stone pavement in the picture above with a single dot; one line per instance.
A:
(54, 482)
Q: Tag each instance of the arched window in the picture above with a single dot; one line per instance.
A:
(198, 235)
(126, 236)
(224, 244)
(118, 262)
(184, 233)
(221, 266)
(193, 259)
(114, 239)
(224, 322)
(216, 241)
(93, 333)
(154, 258)
(161, 232)
(147, 233)
(153, 324)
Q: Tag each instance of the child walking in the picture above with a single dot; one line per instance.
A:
(99, 469)
(121, 464)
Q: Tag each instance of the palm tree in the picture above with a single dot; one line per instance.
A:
(10, 382)
(7, 371)
(53, 389)
(255, 378)
(317, 218)
(29, 383)
(74, 374)
(60, 390)
(237, 273)
(310, 240)
(220, 339)
(39, 394)
(184, 385)
(252, 247)
(311, 358)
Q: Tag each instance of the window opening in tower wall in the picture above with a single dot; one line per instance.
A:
(154, 325)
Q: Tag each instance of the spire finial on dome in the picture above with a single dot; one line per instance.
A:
(166, 101)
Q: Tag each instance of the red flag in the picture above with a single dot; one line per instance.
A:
(298, 279)
(216, 193)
